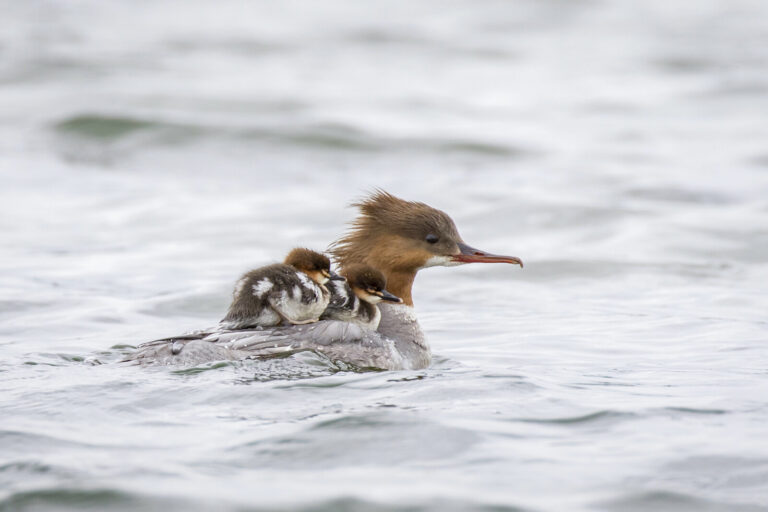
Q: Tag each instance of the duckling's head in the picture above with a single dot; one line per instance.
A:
(402, 237)
(368, 283)
(316, 265)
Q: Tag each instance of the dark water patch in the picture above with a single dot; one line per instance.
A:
(357, 505)
(476, 147)
(331, 139)
(99, 129)
(54, 359)
(679, 195)
(103, 127)
(64, 499)
(60, 500)
(686, 64)
(668, 501)
(123, 346)
(103, 319)
(376, 36)
(693, 410)
(595, 417)
(410, 378)
(26, 469)
(27, 473)
(70, 358)
(67, 499)
(343, 137)
(40, 363)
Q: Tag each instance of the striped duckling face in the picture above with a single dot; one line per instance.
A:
(368, 284)
(316, 265)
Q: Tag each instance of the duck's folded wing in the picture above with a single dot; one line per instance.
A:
(188, 349)
(232, 344)
(292, 338)
(339, 341)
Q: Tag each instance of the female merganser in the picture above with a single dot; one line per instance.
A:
(355, 300)
(292, 292)
(395, 236)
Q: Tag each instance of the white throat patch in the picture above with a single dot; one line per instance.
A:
(441, 261)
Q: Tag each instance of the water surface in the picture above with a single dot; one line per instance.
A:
(150, 152)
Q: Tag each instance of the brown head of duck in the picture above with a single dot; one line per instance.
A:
(400, 237)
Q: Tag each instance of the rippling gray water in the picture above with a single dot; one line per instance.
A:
(151, 151)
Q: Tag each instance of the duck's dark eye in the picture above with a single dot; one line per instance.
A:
(431, 238)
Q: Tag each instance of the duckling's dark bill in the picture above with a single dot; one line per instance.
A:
(385, 295)
(471, 255)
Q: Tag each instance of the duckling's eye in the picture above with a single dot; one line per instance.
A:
(432, 238)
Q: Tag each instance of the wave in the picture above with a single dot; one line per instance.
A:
(61, 499)
(672, 502)
(101, 128)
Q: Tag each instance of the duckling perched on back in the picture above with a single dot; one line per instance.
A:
(292, 292)
(355, 300)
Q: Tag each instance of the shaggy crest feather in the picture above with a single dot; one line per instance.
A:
(383, 215)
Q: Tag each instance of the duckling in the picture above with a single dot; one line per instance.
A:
(355, 300)
(292, 292)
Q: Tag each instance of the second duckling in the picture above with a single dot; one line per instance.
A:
(355, 300)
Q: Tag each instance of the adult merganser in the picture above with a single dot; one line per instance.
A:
(395, 236)
(292, 292)
(355, 300)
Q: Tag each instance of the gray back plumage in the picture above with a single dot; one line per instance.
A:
(398, 344)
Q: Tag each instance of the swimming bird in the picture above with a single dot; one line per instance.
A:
(355, 299)
(395, 236)
(292, 292)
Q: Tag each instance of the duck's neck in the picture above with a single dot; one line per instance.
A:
(399, 324)
(400, 283)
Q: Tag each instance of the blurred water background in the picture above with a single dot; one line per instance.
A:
(151, 151)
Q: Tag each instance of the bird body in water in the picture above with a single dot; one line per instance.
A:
(394, 236)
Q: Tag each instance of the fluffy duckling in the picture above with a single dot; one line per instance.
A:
(292, 292)
(355, 300)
